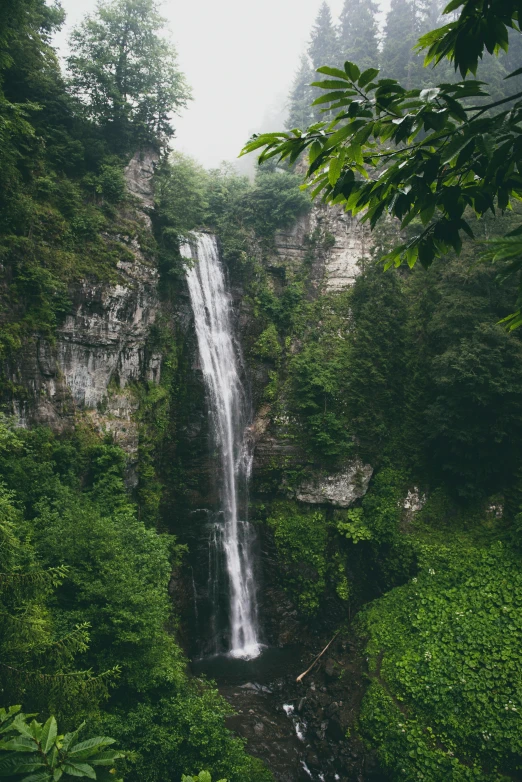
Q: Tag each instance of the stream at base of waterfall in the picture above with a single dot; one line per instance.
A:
(231, 537)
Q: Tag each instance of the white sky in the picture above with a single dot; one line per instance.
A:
(239, 59)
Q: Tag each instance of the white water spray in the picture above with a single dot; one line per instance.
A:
(228, 410)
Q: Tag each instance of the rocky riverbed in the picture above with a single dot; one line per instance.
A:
(302, 731)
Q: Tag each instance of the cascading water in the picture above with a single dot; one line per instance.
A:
(229, 414)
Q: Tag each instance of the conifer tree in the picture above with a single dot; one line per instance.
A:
(358, 34)
(403, 28)
(323, 40)
(323, 47)
(301, 96)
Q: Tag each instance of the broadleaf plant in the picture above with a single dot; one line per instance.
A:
(32, 751)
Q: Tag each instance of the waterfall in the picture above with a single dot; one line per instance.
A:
(231, 536)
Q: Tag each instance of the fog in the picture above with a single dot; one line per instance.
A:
(239, 59)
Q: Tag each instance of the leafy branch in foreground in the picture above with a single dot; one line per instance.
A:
(35, 752)
(428, 154)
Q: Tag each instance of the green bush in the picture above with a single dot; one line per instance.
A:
(444, 650)
(301, 537)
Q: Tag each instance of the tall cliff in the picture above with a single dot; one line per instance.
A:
(102, 346)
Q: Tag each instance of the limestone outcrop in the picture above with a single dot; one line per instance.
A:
(101, 347)
(343, 242)
(339, 489)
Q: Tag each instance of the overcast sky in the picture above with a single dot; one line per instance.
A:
(239, 59)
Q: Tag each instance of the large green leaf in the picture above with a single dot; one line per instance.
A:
(19, 744)
(79, 770)
(49, 733)
(90, 746)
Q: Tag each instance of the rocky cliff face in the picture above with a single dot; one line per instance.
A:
(101, 347)
(331, 244)
(343, 241)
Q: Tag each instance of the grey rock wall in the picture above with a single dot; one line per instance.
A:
(101, 347)
(345, 242)
(332, 243)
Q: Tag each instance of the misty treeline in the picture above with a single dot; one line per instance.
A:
(360, 35)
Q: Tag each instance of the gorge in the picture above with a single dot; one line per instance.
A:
(260, 500)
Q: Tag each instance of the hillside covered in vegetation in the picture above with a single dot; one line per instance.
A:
(399, 388)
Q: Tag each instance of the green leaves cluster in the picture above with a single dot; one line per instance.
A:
(446, 157)
(481, 24)
(85, 590)
(422, 156)
(35, 752)
(301, 538)
(445, 661)
(203, 776)
(126, 72)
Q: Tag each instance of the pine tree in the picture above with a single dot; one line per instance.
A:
(301, 114)
(323, 40)
(323, 48)
(403, 27)
(358, 34)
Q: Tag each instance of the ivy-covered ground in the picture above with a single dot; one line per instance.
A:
(445, 698)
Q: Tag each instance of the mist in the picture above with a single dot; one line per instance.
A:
(239, 60)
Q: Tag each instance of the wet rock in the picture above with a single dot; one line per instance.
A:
(340, 489)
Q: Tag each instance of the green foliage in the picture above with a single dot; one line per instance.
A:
(35, 752)
(66, 506)
(37, 654)
(444, 656)
(181, 187)
(181, 205)
(274, 202)
(482, 24)
(462, 397)
(179, 730)
(267, 345)
(125, 72)
(390, 552)
(203, 776)
(435, 155)
(317, 381)
(354, 527)
(375, 383)
(301, 538)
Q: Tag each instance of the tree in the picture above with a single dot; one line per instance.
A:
(358, 33)
(36, 662)
(423, 156)
(301, 95)
(323, 41)
(399, 61)
(125, 72)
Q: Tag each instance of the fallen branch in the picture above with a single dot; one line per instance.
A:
(302, 675)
